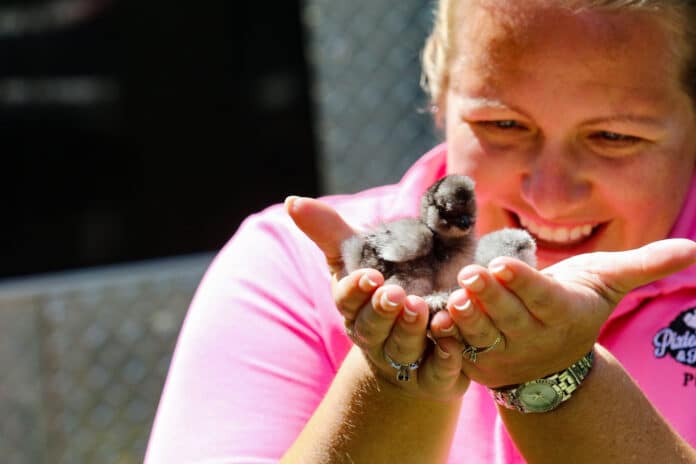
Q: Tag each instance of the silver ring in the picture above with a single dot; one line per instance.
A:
(402, 370)
(472, 352)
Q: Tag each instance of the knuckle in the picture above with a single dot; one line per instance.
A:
(510, 319)
(398, 347)
(485, 334)
(343, 306)
(402, 347)
(372, 322)
(364, 332)
(541, 298)
(446, 373)
(372, 328)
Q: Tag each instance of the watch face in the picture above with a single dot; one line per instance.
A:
(538, 396)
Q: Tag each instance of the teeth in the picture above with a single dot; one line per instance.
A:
(557, 234)
(561, 235)
(545, 233)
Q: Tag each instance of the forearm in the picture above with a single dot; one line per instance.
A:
(363, 419)
(607, 420)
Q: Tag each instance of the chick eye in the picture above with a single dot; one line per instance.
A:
(465, 222)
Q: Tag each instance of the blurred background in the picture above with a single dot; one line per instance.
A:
(135, 138)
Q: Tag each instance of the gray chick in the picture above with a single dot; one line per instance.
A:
(424, 255)
(506, 242)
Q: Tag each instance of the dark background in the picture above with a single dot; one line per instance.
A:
(202, 117)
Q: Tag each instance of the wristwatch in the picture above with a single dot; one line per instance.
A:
(545, 394)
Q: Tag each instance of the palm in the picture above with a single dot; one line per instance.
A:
(561, 309)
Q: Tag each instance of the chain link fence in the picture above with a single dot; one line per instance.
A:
(371, 119)
(83, 358)
(84, 355)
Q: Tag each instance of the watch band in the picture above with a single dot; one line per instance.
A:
(547, 393)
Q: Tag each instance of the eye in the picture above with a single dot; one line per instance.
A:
(504, 124)
(616, 144)
(615, 138)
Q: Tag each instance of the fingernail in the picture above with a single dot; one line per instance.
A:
(448, 330)
(409, 316)
(290, 202)
(366, 282)
(502, 272)
(474, 283)
(387, 303)
(441, 353)
(464, 307)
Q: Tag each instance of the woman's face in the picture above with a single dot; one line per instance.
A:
(574, 127)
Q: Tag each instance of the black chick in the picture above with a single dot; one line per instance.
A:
(424, 255)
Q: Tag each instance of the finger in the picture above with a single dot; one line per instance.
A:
(375, 320)
(473, 324)
(407, 340)
(621, 272)
(442, 325)
(442, 370)
(353, 291)
(538, 292)
(323, 225)
(503, 307)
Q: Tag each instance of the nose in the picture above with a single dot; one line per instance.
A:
(555, 184)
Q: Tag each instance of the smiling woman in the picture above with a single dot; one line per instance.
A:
(573, 119)
(551, 134)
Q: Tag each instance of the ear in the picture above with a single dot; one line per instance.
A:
(439, 108)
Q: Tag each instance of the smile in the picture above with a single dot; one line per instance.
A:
(561, 235)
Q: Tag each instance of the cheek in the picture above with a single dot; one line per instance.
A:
(495, 178)
(494, 174)
(645, 201)
(652, 211)
(465, 155)
(491, 217)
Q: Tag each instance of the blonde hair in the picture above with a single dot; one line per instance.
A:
(679, 16)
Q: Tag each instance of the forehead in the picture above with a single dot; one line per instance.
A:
(500, 39)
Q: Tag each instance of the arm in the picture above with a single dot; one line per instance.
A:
(549, 319)
(253, 358)
(607, 420)
(364, 418)
(367, 415)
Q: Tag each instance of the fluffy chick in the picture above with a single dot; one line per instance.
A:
(506, 242)
(422, 255)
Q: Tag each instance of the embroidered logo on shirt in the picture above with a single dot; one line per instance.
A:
(679, 339)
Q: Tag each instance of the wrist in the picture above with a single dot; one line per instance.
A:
(546, 393)
(409, 394)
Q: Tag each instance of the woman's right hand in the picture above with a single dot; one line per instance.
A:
(381, 319)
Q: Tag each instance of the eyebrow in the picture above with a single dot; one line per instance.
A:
(628, 118)
(483, 102)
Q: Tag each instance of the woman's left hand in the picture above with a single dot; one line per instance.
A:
(549, 319)
(389, 327)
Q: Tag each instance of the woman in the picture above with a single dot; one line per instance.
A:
(576, 120)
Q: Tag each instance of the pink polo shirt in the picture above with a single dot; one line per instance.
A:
(262, 342)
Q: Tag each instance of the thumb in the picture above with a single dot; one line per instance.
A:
(323, 225)
(623, 271)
